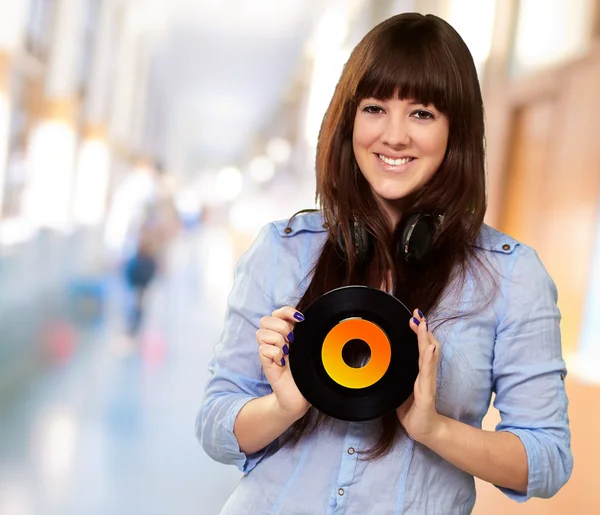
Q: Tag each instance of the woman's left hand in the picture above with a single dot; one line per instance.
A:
(418, 414)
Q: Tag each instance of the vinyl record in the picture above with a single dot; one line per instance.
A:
(355, 316)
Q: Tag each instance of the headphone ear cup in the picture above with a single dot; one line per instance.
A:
(417, 239)
(341, 242)
(360, 242)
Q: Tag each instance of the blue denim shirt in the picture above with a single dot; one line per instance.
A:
(511, 349)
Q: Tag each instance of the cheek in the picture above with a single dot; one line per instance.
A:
(436, 145)
(363, 136)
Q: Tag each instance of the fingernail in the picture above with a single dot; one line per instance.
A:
(285, 349)
(420, 313)
(291, 337)
(283, 362)
(416, 321)
(298, 316)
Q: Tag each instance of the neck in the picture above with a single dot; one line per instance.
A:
(393, 212)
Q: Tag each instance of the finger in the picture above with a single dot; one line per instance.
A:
(417, 313)
(268, 337)
(271, 353)
(418, 318)
(278, 325)
(428, 374)
(289, 313)
(420, 328)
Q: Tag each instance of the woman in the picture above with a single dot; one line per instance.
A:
(403, 135)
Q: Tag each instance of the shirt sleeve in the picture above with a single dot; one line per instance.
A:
(529, 373)
(236, 375)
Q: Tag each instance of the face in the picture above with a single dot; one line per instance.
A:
(398, 145)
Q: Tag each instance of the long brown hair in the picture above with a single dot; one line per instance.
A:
(414, 57)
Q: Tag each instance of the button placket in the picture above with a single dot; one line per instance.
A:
(349, 461)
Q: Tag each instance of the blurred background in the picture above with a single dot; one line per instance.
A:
(143, 143)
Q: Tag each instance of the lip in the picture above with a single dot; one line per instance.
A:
(394, 169)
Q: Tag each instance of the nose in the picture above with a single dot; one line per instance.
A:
(396, 132)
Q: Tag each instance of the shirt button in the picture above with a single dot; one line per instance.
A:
(506, 246)
(341, 491)
(351, 451)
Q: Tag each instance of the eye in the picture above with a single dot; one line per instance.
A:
(372, 109)
(421, 114)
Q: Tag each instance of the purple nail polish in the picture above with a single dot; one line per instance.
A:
(416, 321)
(283, 362)
(285, 349)
(298, 316)
(291, 337)
(420, 313)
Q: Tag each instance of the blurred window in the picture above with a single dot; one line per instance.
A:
(477, 36)
(549, 32)
(16, 166)
(39, 27)
(90, 24)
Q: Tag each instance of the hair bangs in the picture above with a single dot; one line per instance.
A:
(409, 70)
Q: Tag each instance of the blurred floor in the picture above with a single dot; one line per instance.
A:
(112, 431)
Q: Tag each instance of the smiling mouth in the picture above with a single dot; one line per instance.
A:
(395, 162)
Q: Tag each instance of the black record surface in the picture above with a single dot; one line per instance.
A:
(328, 396)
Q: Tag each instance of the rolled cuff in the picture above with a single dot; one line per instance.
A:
(220, 442)
(547, 469)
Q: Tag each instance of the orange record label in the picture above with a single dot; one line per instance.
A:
(356, 329)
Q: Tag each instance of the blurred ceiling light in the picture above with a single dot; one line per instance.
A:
(91, 186)
(279, 150)
(262, 169)
(229, 183)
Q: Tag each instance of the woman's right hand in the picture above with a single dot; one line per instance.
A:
(274, 338)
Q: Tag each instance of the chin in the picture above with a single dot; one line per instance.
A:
(392, 196)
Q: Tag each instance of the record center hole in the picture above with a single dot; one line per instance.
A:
(356, 353)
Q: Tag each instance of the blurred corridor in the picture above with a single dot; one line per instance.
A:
(111, 430)
(143, 143)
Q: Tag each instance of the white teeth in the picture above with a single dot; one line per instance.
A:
(395, 162)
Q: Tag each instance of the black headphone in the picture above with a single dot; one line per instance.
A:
(415, 243)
